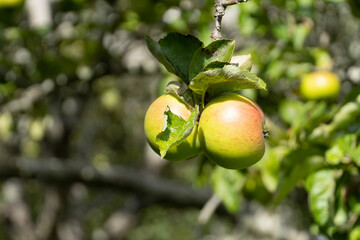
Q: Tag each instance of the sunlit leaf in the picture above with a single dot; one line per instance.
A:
(176, 130)
(242, 61)
(355, 232)
(228, 78)
(290, 111)
(181, 91)
(227, 185)
(270, 165)
(321, 186)
(219, 50)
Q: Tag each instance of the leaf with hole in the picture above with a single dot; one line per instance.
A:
(219, 50)
(182, 92)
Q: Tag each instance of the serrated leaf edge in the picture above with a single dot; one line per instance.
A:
(192, 119)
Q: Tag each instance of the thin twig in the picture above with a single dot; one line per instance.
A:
(205, 214)
(220, 6)
(208, 210)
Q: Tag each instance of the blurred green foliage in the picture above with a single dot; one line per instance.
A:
(79, 89)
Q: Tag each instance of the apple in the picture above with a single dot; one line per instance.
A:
(231, 131)
(10, 3)
(320, 85)
(153, 124)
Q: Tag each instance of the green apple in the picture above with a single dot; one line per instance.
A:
(153, 124)
(320, 85)
(10, 3)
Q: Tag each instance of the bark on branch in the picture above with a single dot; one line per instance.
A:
(220, 6)
(226, 3)
(124, 178)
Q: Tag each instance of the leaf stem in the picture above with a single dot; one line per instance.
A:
(220, 6)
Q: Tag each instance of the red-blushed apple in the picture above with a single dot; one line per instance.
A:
(231, 131)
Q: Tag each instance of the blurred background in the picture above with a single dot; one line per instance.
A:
(76, 79)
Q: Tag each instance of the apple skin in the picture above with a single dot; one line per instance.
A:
(320, 85)
(230, 131)
(10, 3)
(153, 124)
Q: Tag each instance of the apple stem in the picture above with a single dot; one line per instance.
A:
(220, 6)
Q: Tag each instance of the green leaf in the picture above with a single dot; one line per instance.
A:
(156, 51)
(341, 214)
(303, 117)
(179, 49)
(321, 188)
(227, 185)
(181, 91)
(205, 168)
(340, 217)
(302, 30)
(270, 165)
(291, 111)
(219, 50)
(242, 61)
(303, 165)
(322, 58)
(343, 147)
(176, 130)
(344, 116)
(215, 64)
(355, 233)
(347, 114)
(349, 145)
(228, 78)
(334, 155)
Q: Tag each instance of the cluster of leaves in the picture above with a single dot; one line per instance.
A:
(322, 152)
(316, 149)
(313, 146)
(202, 70)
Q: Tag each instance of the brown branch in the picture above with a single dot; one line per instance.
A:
(124, 178)
(220, 6)
(29, 97)
(219, 13)
(226, 3)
